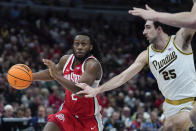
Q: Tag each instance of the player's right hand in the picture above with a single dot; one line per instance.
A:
(51, 66)
(87, 90)
(146, 14)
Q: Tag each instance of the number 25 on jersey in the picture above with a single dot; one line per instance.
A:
(170, 74)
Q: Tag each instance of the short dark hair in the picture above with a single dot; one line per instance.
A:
(96, 50)
(157, 24)
(168, 29)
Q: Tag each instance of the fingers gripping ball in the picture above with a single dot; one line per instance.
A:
(19, 76)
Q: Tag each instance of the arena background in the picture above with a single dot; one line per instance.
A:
(34, 29)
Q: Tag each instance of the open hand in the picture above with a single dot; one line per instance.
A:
(87, 90)
(51, 66)
(146, 14)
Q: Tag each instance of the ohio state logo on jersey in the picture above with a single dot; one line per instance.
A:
(61, 117)
(73, 77)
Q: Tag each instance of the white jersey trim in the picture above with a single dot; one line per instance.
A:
(98, 115)
(67, 62)
(176, 46)
(72, 63)
(92, 57)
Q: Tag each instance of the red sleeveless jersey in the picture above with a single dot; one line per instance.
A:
(79, 107)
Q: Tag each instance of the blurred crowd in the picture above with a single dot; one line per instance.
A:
(27, 38)
(73, 3)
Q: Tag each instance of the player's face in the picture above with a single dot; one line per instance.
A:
(150, 32)
(81, 46)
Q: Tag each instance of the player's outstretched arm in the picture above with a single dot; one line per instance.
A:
(45, 75)
(118, 80)
(182, 19)
(42, 76)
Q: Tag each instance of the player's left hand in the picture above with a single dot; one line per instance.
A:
(146, 14)
(51, 66)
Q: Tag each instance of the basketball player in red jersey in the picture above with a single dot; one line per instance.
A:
(76, 113)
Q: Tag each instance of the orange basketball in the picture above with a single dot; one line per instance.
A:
(19, 76)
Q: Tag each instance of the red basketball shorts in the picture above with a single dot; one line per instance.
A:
(67, 122)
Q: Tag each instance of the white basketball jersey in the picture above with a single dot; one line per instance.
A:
(173, 70)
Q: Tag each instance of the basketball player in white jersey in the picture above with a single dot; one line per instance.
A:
(183, 19)
(170, 59)
(76, 113)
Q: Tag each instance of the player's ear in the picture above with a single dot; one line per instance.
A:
(91, 47)
(159, 28)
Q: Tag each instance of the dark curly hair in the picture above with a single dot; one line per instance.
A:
(96, 50)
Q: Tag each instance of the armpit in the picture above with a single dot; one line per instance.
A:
(187, 42)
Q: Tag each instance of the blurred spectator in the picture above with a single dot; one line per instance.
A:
(20, 113)
(137, 124)
(153, 124)
(27, 113)
(40, 119)
(120, 99)
(49, 111)
(129, 99)
(4, 32)
(159, 100)
(8, 111)
(114, 123)
(126, 117)
(44, 96)
(104, 102)
(27, 98)
(2, 102)
(54, 99)
(35, 104)
(109, 111)
(105, 117)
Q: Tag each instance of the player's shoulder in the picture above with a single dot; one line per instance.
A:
(92, 61)
(63, 60)
(143, 57)
(144, 52)
(65, 57)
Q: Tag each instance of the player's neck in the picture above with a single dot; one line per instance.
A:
(161, 42)
(76, 62)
